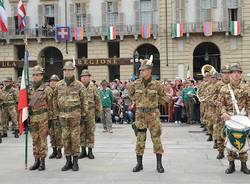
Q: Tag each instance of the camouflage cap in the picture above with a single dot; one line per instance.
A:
(68, 66)
(54, 78)
(235, 67)
(225, 69)
(8, 79)
(85, 73)
(38, 70)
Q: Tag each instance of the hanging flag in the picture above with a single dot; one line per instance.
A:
(112, 33)
(235, 28)
(62, 34)
(79, 33)
(23, 96)
(177, 30)
(3, 18)
(21, 15)
(207, 28)
(146, 31)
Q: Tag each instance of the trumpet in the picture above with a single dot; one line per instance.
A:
(208, 68)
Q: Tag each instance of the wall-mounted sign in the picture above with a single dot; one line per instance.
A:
(105, 61)
(15, 64)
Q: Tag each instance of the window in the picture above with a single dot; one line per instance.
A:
(81, 19)
(206, 10)
(82, 50)
(180, 10)
(233, 14)
(146, 12)
(114, 49)
(112, 13)
(49, 16)
(49, 10)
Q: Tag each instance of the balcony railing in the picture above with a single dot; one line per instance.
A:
(40, 33)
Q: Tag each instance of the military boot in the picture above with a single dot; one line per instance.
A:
(244, 168)
(220, 155)
(139, 165)
(75, 166)
(83, 154)
(210, 138)
(159, 167)
(0, 138)
(215, 146)
(59, 153)
(16, 133)
(5, 135)
(53, 154)
(42, 165)
(35, 165)
(204, 129)
(90, 153)
(68, 164)
(231, 168)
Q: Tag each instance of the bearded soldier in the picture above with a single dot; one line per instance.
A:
(71, 107)
(148, 94)
(242, 95)
(40, 105)
(94, 109)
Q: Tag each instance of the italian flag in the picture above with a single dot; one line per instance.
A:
(23, 96)
(177, 30)
(235, 28)
(3, 18)
(111, 33)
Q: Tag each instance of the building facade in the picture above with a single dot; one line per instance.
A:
(142, 27)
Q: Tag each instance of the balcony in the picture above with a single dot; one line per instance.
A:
(100, 31)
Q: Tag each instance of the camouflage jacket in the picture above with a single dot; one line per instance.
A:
(70, 101)
(11, 96)
(40, 103)
(242, 96)
(216, 93)
(202, 93)
(147, 97)
(93, 97)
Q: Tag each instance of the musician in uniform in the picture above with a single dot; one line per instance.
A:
(229, 108)
(148, 94)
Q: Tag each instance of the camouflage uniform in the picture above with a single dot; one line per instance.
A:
(147, 95)
(88, 126)
(40, 105)
(1, 114)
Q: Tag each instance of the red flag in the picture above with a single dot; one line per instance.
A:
(21, 14)
(23, 96)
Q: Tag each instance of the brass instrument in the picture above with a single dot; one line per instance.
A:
(208, 68)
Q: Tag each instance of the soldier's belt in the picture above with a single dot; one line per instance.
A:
(70, 109)
(33, 113)
(145, 110)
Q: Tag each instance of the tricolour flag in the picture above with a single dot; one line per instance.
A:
(207, 28)
(21, 15)
(3, 18)
(23, 96)
(79, 33)
(177, 30)
(235, 28)
(146, 31)
(112, 33)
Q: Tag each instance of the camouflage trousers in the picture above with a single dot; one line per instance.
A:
(87, 136)
(152, 122)
(71, 135)
(55, 133)
(11, 112)
(219, 138)
(211, 113)
(202, 108)
(243, 157)
(39, 134)
(1, 121)
(205, 114)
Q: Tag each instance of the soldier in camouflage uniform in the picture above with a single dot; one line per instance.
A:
(94, 109)
(71, 107)
(1, 111)
(148, 94)
(10, 105)
(242, 95)
(40, 106)
(55, 129)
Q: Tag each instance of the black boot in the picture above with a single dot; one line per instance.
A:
(220, 155)
(42, 165)
(16, 133)
(210, 138)
(215, 144)
(231, 168)
(90, 153)
(35, 165)
(53, 154)
(68, 164)
(0, 138)
(244, 168)
(204, 129)
(139, 165)
(5, 135)
(59, 153)
(83, 154)
(75, 166)
(159, 167)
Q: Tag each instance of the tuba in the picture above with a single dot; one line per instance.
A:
(208, 68)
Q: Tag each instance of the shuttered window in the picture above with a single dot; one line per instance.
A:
(81, 18)
(180, 10)
(146, 11)
(112, 13)
(206, 10)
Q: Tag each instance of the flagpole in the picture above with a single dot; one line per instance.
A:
(66, 24)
